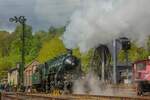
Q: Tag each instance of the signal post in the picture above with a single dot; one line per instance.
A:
(22, 21)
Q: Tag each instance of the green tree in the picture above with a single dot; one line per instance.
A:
(135, 53)
(50, 49)
(41, 35)
(4, 43)
(31, 45)
(52, 30)
(55, 31)
(148, 45)
(85, 58)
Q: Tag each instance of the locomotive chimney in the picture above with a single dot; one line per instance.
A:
(69, 51)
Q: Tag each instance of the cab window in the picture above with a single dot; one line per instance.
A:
(141, 66)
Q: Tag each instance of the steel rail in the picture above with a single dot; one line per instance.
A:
(17, 96)
(108, 97)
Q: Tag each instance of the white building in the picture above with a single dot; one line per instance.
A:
(13, 76)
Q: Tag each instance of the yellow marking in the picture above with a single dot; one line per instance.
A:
(56, 92)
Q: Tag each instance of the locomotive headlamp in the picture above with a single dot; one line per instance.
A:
(68, 61)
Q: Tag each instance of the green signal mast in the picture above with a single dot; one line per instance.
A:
(22, 21)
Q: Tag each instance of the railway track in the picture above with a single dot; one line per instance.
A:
(27, 96)
(113, 97)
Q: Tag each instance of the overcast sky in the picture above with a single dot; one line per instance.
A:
(40, 14)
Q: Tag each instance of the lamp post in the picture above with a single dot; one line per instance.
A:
(22, 21)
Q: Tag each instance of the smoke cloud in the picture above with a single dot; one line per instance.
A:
(90, 84)
(101, 21)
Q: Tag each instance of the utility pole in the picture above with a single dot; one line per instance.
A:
(22, 21)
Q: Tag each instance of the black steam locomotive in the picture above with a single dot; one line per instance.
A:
(57, 74)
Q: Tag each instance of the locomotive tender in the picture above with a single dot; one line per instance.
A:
(141, 76)
(57, 74)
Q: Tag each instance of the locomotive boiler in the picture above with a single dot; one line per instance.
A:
(141, 76)
(57, 74)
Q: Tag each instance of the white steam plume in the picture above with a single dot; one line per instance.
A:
(100, 21)
(90, 84)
